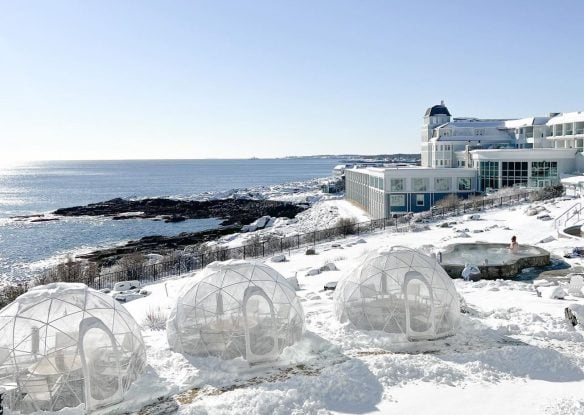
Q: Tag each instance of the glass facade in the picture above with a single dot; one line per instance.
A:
(489, 175)
(543, 173)
(514, 173)
(544, 169)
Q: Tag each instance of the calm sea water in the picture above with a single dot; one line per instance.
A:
(40, 187)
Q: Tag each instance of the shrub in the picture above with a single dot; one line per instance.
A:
(155, 319)
(347, 226)
(69, 271)
(547, 193)
(449, 202)
(9, 293)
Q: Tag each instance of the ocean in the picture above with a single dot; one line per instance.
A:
(42, 187)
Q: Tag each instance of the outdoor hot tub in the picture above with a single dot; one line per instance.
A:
(493, 260)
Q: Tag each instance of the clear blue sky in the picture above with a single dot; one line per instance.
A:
(195, 79)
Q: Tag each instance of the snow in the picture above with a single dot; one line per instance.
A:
(514, 352)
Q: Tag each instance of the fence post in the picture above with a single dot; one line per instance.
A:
(358, 228)
(298, 241)
(264, 248)
(243, 251)
(314, 238)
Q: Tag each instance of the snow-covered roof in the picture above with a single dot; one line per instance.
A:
(567, 117)
(523, 153)
(474, 123)
(526, 122)
(576, 179)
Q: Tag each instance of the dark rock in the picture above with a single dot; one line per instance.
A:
(571, 317)
(43, 220)
(232, 211)
(174, 218)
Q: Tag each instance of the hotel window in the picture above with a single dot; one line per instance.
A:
(419, 184)
(420, 200)
(442, 184)
(397, 200)
(489, 175)
(464, 183)
(514, 173)
(544, 169)
(396, 185)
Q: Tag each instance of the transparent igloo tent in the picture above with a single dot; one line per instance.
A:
(236, 309)
(399, 291)
(63, 345)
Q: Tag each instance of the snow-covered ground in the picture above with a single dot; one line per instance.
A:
(514, 351)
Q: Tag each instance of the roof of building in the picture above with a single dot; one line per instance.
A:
(437, 110)
(473, 123)
(523, 153)
(526, 122)
(567, 117)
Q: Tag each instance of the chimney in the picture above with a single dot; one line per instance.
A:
(442, 102)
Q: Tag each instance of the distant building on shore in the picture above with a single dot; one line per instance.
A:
(465, 156)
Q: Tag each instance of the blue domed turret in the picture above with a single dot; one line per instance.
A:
(437, 110)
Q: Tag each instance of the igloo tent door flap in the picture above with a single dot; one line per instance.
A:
(261, 342)
(419, 306)
(100, 361)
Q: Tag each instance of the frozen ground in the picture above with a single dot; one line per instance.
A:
(514, 352)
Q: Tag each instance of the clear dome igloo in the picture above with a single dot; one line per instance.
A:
(400, 291)
(62, 345)
(236, 308)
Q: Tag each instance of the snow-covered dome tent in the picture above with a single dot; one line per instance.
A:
(400, 291)
(236, 308)
(63, 345)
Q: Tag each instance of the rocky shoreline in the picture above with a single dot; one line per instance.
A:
(232, 211)
(235, 214)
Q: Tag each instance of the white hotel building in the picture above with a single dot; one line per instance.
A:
(465, 156)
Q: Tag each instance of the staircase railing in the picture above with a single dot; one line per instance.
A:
(573, 212)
